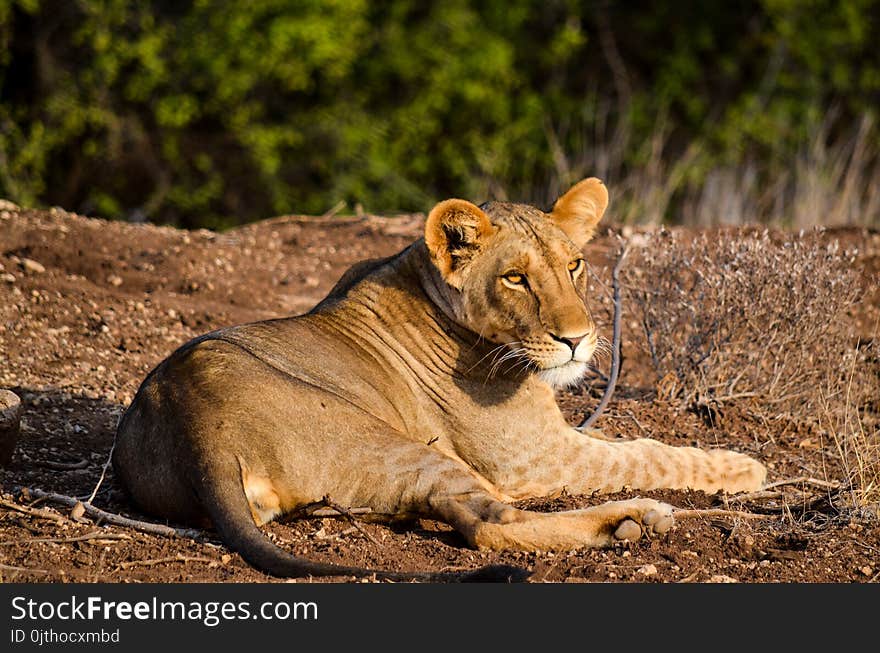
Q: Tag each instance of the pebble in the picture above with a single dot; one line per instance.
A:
(114, 280)
(7, 277)
(868, 571)
(721, 578)
(647, 570)
(31, 265)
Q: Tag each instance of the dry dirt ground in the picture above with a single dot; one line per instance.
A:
(88, 307)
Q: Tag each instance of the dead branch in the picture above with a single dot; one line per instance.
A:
(24, 569)
(615, 345)
(638, 423)
(684, 513)
(93, 535)
(805, 480)
(62, 467)
(757, 496)
(118, 520)
(351, 518)
(33, 512)
(161, 561)
(770, 493)
(324, 511)
(103, 472)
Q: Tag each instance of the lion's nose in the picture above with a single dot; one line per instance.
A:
(571, 342)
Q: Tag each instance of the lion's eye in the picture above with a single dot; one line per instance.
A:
(514, 278)
(575, 266)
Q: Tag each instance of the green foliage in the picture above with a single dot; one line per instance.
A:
(214, 113)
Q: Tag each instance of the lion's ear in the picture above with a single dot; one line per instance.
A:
(454, 233)
(578, 211)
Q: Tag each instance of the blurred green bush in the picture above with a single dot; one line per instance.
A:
(213, 113)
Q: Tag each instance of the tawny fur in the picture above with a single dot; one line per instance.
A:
(416, 387)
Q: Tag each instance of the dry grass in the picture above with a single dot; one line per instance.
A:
(742, 316)
(855, 430)
(834, 179)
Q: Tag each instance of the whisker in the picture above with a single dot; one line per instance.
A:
(495, 350)
(516, 353)
(522, 365)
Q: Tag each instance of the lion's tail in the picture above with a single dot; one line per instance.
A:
(225, 502)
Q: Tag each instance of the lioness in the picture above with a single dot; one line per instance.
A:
(423, 384)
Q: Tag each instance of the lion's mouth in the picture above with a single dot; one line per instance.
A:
(563, 376)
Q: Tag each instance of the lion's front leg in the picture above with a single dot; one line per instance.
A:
(489, 524)
(567, 459)
(647, 464)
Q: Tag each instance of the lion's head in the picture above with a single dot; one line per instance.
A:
(519, 275)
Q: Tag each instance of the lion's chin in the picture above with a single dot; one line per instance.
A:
(563, 376)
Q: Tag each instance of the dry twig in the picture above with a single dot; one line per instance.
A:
(33, 512)
(757, 496)
(62, 467)
(332, 512)
(805, 480)
(93, 535)
(351, 518)
(24, 569)
(685, 513)
(113, 518)
(91, 497)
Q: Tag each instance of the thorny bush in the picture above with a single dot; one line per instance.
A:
(742, 317)
(761, 319)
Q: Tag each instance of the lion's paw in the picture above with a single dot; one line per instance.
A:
(644, 516)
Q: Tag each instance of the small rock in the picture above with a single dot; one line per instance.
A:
(647, 570)
(225, 558)
(6, 205)
(868, 571)
(32, 266)
(721, 578)
(7, 277)
(114, 280)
